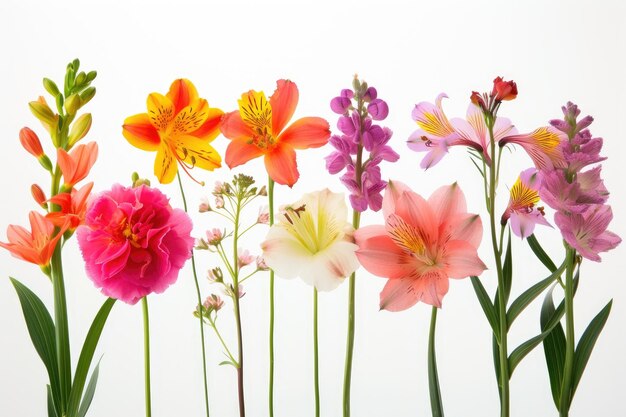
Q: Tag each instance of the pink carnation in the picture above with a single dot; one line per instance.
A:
(133, 242)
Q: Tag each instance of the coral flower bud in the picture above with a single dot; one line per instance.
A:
(478, 100)
(38, 195)
(504, 90)
(30, 142)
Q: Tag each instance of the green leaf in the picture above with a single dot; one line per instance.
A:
(86, 355)
(530, 294)
(52, 407)
(41, 330)
(89, 392)
(525, 348)
(586, 344)
(227, 363)
(487, 306)
(507, 271)
(553, 346)
(540, 253)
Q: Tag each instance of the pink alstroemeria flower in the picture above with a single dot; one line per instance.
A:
(436, 133)
(587, 232)
(421, 245)
(542, 146)
(522, 210)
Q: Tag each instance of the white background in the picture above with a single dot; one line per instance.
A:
(556, 51)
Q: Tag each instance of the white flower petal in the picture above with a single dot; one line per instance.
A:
(330, 267)
(284, 253)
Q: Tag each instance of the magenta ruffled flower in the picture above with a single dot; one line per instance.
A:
(359, 134)
(133, 242)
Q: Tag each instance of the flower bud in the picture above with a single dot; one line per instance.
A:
(213, 303)
(478, 100)
(80, 128)
(91, 75)
(204, 206)
(72, 104)
(378, 109)
(80, 78)
(38, 195)
(87, 95)
(51, 87)
(215, 236)
(260, 264)
(244, 258)
(340, 105)
(219, 202)
(201, 244)
(263, 191)
(215, 275)
(30, 142)
(44, 114)
(503, 90)
(264, 216)
(370, 94)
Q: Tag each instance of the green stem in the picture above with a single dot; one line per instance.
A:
(566, 387)
(199, 299)
(240, 391)
(316, 375)
(219, 336)
(436, 403)
(61, 328)
(502, 347)
(270, 196)
(146, 354)
(347, 378)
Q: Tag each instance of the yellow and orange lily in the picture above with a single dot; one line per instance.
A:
(179, 126)
(258, 128)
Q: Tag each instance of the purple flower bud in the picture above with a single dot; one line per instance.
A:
(378, 109)
(340, 105)
(370, 94)
(346, 125)
(347, 93)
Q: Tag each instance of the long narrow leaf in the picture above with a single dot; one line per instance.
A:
(86, 355)
(540, 253)
(507, 271)
(553, 347)
(41, 330)
(89, 392)
(586, 344)
(487, 306)
(530, 294)
(52, 407)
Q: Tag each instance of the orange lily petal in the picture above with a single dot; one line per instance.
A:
(76, 165)
(160, 110)
(182, 93)
(283, 103)
(233, 127)
(210, 129)
(281, 165)
(165, 167)
(240, 151)
(190, 118)
(308, 132)
(139, 132)
(197, 153)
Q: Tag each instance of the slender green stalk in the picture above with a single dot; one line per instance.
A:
(502, 347)
(270, 196)
(224, 345)
(146, 354)
(199, 296)
(240, 391)
(566, 387)
(436, 403)
(61, 328)
(316, 372)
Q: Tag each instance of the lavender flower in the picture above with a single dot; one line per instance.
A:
(359, 109)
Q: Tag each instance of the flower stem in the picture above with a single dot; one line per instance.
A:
(199, 296)
(503, 325)
(270, 196)
(61, 328)
(436, 404)
(347, 378)
(566, 387)
(146, 354)
(242, 408)
(316, 376)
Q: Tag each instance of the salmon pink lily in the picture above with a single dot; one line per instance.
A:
(422, 244)
(179, 126)
(259, 128)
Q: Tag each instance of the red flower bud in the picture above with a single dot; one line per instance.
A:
(478, 100)
(504, 90)
(38, 195)
(31, 142)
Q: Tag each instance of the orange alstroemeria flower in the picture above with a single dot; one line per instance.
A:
(76, 164)
(179, 126)
(258, 128)
(35, 246)
(73, 207)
